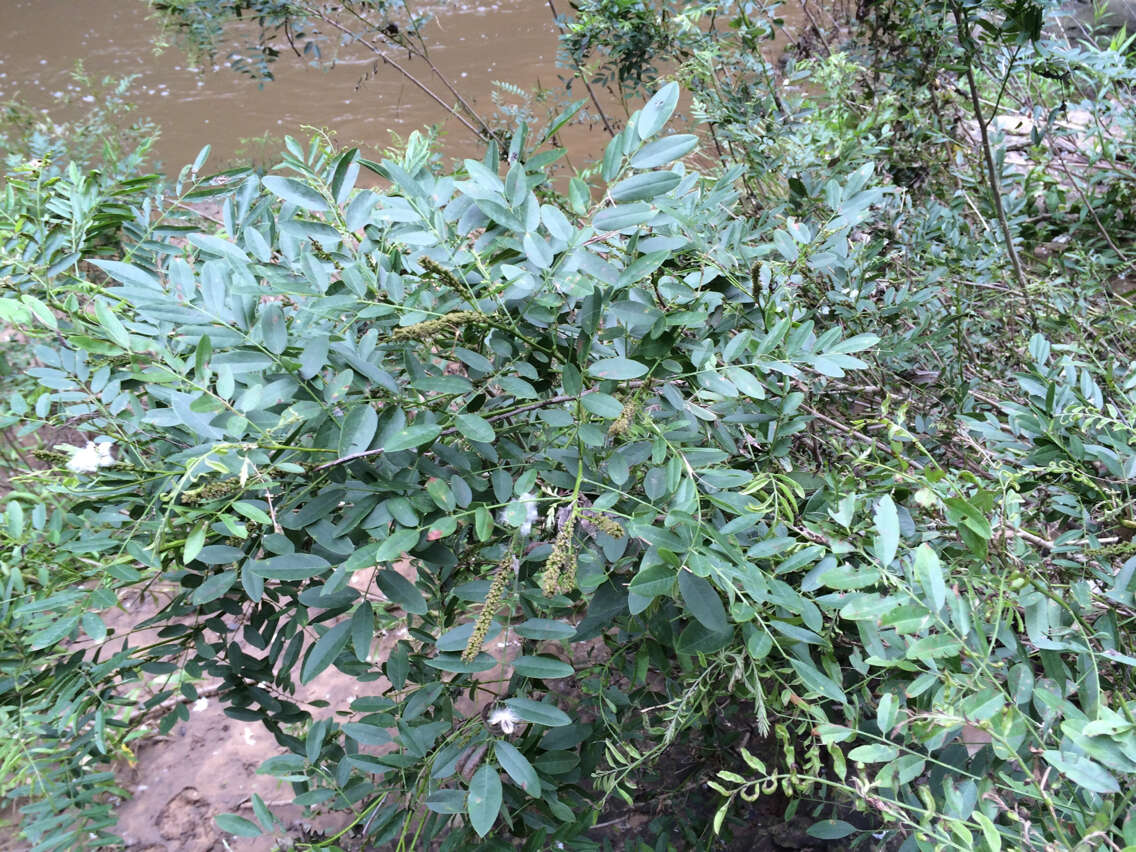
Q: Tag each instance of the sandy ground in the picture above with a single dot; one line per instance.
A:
(207, 766)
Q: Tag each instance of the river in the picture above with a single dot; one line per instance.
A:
(473, 43)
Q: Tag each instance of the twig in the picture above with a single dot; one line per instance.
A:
(272, 511)
(991, 171)
(1084, 200)
(583, 76)
(423, 53)
(1033, 539)
(856, 433)
(379, 52)
(816, 27)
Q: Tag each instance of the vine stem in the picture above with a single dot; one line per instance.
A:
(423, 53)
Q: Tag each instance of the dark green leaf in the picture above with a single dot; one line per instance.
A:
(237, 825)
(291, 566)
(398, 542)
(294, 192)
(538, 712)
(367, 734)
(664, 151)
(362, 630)
(817, 682)
(887, 530)
(325, 650)
(401, 591)
(412, 436)
(930, 574)
(446, 801)
(273, 328)
(542, 666)
(518, 767)
(359, 428)
(702, 601)
(623, 216)
(602, 405)
(657, 112)
(830, 829)
(475, 428)
(544, 628)
(644, 187)
(618, 369)
(454, 663)
(484, 800)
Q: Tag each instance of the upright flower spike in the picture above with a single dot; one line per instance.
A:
(428, 330)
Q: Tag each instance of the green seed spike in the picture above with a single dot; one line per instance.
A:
(560, 569)
(488, 609)
(427, 331)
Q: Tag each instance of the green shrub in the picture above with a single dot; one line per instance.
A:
(329, 385)
(776, 483)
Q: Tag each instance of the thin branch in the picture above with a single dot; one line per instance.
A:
(583, 77)
(991, 170)
(1060, 157)
(423, 53)
(382, 54)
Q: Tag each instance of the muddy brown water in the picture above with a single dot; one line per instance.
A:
(474, 43)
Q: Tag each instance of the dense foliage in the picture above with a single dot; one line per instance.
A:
(811, 465)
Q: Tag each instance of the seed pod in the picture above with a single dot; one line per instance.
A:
(446, 276)
(52, 457)
(212, 491)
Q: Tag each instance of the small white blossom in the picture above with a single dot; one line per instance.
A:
(90, 458)
(105, 457)
(531, 513)
(505, 719)
(85, 460)
(522, 513)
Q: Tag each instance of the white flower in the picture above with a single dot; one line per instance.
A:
(105, 457)
(505, 719)
(522, 513)
(91, 458)
(531, 513)
(85, 460)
